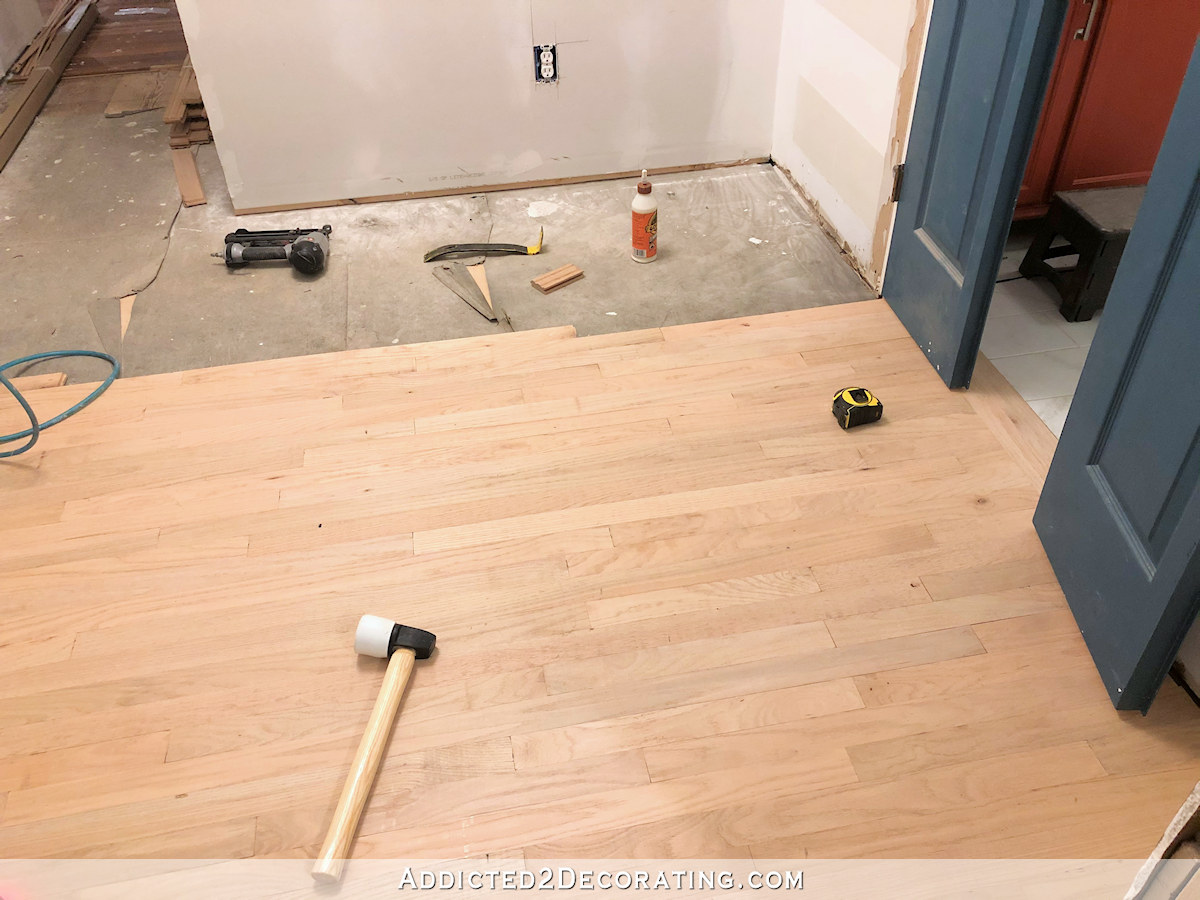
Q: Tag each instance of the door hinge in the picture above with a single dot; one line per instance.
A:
(897, 181)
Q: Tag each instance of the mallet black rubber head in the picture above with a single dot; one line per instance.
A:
(376, 636)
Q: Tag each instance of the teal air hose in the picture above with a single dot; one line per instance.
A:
(31, 434)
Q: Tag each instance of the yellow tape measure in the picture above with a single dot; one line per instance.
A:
(855, 406)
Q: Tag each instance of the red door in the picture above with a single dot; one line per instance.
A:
(1114, 87)
(1061, 98)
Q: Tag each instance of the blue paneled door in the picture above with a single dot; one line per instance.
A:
(1120, 512)
(983, 77)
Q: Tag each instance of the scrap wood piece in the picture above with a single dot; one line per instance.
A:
(560, 277)
(29, 56)
(126, 312)
(456, 277)
(48, 68)
(27, 383)
(138, 92)
(178, 135)
(477, 272)
(188, 177)
(184, 134)
(199, 133)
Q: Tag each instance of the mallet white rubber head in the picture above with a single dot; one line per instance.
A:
(373, 635)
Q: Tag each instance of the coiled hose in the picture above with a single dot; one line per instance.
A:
(31, 434)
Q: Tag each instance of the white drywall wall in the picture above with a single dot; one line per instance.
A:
(20, 20)
(315, 101)
(835, 108)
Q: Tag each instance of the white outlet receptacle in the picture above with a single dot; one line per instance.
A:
(545, 63)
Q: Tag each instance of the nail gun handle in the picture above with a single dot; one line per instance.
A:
(253, 254)
(240, 254)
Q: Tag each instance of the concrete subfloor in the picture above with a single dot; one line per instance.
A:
(91, 213)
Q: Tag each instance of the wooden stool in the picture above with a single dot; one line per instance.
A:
(1096, 225)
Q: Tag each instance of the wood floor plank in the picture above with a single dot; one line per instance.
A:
(975, 703)
(225, 840)
(850, 495)
(679, 611)
(875, 626)
(1106, 818)
(656, 565)
(965, 786)
(689, 688)
(715, 652)
(1011, 420)
(770, 587)
(890, 759)
(1167, 738)
(941, 681)
(81, 762)
(625, 807)
(603, 736)
(1002, 576)
(679, 837)
(1052, 628)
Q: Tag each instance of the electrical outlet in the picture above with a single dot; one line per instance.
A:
(545, 63)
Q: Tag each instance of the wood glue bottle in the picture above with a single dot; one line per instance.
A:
(645, 223)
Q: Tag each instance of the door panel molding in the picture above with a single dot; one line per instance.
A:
(1119, 514)
(975, 114)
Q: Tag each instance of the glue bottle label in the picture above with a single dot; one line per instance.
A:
(645, 235)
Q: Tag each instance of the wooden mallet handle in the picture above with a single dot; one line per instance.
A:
(328, 866)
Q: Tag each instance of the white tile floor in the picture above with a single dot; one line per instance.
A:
(1035, 348)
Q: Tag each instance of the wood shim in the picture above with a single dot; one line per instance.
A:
(188, 177)
(560, 277)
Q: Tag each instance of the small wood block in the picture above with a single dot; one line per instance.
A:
(178, 136)
(560, 277)
(187, 177)
(27, 383)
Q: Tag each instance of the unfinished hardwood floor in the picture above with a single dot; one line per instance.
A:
(680, 613)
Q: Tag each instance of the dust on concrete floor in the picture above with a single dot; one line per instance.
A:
(91, 214)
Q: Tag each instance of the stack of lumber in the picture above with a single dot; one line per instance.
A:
(189, 126)
(41, 65)
(185, 111)
(36, 53)
(680, 613)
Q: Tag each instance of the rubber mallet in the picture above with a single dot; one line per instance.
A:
(401, 646)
